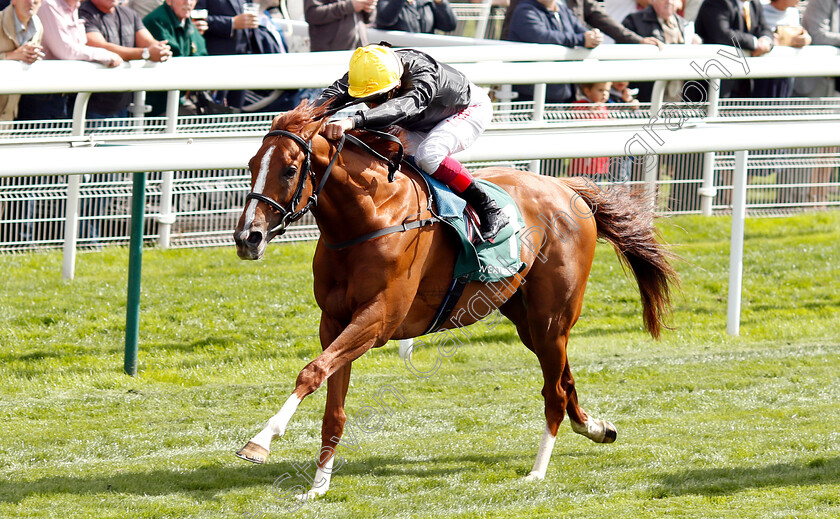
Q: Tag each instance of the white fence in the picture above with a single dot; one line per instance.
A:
(488, 64)
(672, 130)
(32, 215)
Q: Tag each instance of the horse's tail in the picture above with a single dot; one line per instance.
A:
(625, 220)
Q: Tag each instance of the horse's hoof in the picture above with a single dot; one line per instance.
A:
(253, 453)
(312, 495)
(535, 476)
(609, 433)
(599, 431)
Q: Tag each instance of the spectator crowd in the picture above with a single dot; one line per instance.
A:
(112, 32)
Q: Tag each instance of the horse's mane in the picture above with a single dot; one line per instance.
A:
(303, 114)
(298, 118)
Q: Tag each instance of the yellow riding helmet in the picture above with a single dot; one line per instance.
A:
(374, 69)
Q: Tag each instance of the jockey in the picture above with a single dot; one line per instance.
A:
(441, 111)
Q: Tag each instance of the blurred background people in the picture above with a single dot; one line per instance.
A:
(230, 29)
(620, 92)
(424, 16)
(729, 22)
(549, 21)
(782, 19)
(20, 39)
(660, 20)
(239, 27)
(268, 38)
(173, 22)
(592, 103)
(119, 29)
(64, 38)
(621, 168)
(822, 21)
(619, 9)
(592, 14)
(338, 24)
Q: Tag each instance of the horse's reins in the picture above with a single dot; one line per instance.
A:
(289, 215)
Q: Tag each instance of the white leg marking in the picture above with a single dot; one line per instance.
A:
(321, 483)
(595, 430)
(259, 185)
(543, 455)
(277, 425)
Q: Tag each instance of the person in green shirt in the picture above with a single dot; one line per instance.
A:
(171, 21)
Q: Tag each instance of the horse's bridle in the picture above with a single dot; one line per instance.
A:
(288, 214)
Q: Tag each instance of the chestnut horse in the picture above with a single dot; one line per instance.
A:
(381, 287)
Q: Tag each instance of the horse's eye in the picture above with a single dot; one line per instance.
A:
(290, 172)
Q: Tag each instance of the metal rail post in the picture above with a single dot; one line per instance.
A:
(651, 160)
(483, 19)
(74, 183)
(538, 115)
(708, 191)
(736, 243)
(166, 217)
(135, 262)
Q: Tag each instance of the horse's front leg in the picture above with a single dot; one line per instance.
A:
(334, 416)
(368, 327)
(259, 446)
(331, 431)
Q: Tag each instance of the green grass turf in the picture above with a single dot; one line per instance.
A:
(708, 425)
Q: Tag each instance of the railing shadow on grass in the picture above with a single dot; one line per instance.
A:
(724, 481)
(205, 483)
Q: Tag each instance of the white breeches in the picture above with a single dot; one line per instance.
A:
(453, 134)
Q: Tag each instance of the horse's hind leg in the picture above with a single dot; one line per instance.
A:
(548, 342)
(552, 356)
(545, 331)
(561, 397)
(599, 431)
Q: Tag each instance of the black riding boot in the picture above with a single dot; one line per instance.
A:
(492, 218)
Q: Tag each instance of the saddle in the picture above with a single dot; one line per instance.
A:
(479, 260)
(485, 262)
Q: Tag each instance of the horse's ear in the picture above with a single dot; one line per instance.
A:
(275, 123)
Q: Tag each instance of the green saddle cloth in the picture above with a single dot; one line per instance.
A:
(490, 262)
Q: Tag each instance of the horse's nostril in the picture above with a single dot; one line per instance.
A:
(255, 238)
